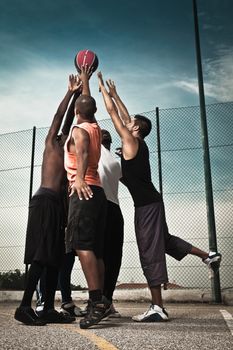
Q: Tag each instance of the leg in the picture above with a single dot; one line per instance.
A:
(90, 269)
(85, 236)
(101, 269)
(50, 315)
(200, 253)
(65, 276)
(34, 275)
(40, 289)
(211, 259)
(178, 249)
(149, 229)
(24, 313)
(113, 244)
(51, 286)
(156, 296)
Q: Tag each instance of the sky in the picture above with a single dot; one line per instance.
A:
(146, 47)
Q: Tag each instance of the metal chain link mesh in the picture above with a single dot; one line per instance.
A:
(183, 192)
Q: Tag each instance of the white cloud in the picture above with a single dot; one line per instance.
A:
(218, 77)
(31, 97)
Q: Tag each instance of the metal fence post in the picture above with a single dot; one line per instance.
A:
(159, 162)
(159, 152)
(31, 176)
(215, 281)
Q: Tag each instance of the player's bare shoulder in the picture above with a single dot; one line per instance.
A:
(53, 150)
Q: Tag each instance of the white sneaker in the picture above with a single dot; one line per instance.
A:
(213, 260)
(39, 309)
(154, 314)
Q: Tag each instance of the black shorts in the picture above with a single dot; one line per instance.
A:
(45, 229)
(86, 222)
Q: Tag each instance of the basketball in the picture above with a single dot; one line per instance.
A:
(86, 57)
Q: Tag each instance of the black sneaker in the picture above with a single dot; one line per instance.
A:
(71, 309)
(96, 311)
(213, 260)
(53, 316)
(28, 316)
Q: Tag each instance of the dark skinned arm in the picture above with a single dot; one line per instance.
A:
(70, 114)
(73, 86)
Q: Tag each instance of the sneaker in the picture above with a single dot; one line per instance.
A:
(28, 316)
(154, 314)
(53, 316)
(213, 260)
(71, 309)
(39, 309)
(114, 312)
(96, 311)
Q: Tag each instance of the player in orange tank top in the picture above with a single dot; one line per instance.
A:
(88, 204)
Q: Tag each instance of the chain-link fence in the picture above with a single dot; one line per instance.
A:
(182, 183)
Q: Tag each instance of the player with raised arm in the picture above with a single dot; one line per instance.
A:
(87, 208)
(152, 235)
(45, 230)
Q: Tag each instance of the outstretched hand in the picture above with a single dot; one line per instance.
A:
(74, 83)
(86, 73)
(112, 87)
(100, 79)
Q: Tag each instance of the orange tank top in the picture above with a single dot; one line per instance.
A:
(91, 176)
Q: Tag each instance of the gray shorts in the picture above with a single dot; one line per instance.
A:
(154, 241)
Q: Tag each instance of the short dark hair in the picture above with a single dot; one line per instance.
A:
(106, 137)
(86, 106)
(144, 124)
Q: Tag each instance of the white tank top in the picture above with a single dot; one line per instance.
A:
(110, 173)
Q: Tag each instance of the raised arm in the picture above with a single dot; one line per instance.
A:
(70, 114)
(111, 107)
(84, 76)
(123, 111)
(129, 143)
(74, 84)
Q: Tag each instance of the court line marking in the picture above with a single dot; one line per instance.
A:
(101, 343)
(228, 319)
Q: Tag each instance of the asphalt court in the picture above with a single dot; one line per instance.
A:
(191, 326)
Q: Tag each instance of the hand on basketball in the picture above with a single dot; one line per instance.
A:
(111, 87)
(74, 83)
(82, 189)
(86, 73)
